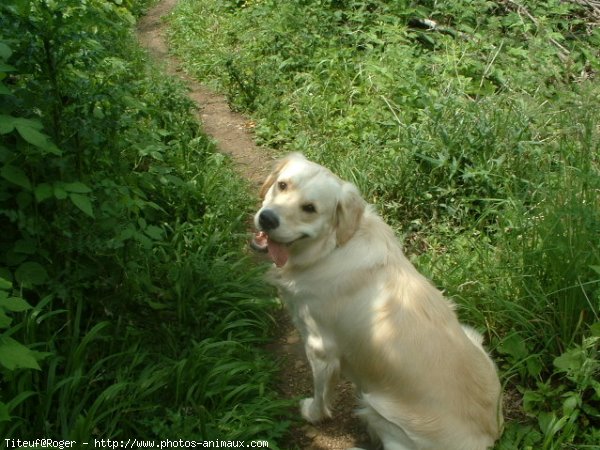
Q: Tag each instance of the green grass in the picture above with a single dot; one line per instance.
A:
(480, 145)
(129, 307)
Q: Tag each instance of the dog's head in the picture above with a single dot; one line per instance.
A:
(307, 211)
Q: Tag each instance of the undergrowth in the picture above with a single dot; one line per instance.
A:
(478, 140)
(128, 308)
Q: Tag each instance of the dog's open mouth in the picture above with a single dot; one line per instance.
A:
(278, 252)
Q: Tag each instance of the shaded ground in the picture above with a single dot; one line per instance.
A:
(232, 135)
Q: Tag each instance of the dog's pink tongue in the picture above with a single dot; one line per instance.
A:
(278, 253)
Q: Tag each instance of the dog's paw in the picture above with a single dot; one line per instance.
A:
(311, 411)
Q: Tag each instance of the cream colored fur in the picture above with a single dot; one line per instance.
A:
(364, 312)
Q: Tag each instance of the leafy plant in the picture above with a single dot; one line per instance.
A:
(122, 228)
(14, 356)
(570, 402)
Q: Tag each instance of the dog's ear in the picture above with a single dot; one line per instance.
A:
(269, 181)
(350, 209)
(277, 168)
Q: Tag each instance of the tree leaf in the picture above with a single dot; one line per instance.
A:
(15, 304)
(59, 191)
(5, 284)
(31, 273)
(6, 67)
(7, 123)
(83, 203)
(5, 51)
(154, 232)
(77, 188)
(26, 246)
(14, 355)
(16, 176)
(4, 320)
(43, 191)
(34, 137)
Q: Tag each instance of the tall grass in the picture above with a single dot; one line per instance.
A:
(479, 143)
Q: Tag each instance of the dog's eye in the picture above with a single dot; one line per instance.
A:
(309, 208)
(282, 185)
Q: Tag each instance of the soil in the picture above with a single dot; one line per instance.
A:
(232, 134)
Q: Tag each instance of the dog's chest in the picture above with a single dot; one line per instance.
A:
(311, 312)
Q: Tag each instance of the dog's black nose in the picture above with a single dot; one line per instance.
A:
(268, 220)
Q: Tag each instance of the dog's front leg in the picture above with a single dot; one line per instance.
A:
(325, 369)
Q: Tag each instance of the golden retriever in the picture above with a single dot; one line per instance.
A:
(364, 312)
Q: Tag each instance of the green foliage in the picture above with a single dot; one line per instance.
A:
(478, 140)
(13, 355)
(127, 307)
(570, 403)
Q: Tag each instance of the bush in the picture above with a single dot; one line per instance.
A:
(126, 305)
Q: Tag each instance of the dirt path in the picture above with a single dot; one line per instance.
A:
(232, 136)
(228, 129)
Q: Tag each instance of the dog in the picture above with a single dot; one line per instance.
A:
(364, 312)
